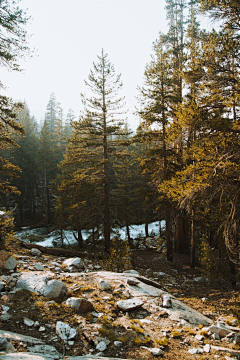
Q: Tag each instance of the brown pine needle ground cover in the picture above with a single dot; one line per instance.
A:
(214, 299)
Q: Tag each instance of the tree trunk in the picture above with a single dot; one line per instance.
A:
(179, 233)
(93, 237)
(79, 237)
(193, 243)
(56, 251)
(46, 198)
(105, 175)
(61, 234)
(20, 209)
(146, 229)
(233, 274)
(127, 229)
(168, 233)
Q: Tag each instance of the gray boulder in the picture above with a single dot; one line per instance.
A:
(104, 284)
(35, 252)
(3, 343)
(42, 284)
(80, 304)
(39, 267)
(7, 261)
(220, 330)
(54, 289)
(129, 304)
(74, 263)
(64, 331)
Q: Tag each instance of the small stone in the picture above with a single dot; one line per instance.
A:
(99, 339)
(156, 351)
(42, 328)
(167, 302)
(5, 308)
(129, 304)
(193, 351)
(74, 263)
(118, 343)
(35, 252)
(101, 346)
(28, 322)
(207, 348)
(5, 317)
(80, 304)
(153, 351)
(7, 261)
(70, 343)
(64, 331)
(3, 343)
(219, 329)
(199, 337)
(104, 285)
(39, 267)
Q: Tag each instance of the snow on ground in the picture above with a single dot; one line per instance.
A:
(51, 238)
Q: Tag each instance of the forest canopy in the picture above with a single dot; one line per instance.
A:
(183, 163)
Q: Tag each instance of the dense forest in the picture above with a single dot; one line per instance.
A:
(181, 165)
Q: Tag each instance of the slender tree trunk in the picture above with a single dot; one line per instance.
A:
(179, 233)
(127, 229)
(233, 274)
(193, 243)
(186, 240)
(93, 237)
(146, 229)
(45, 198)
(168, 233)
(105, 179)
(61, 234)
(106, 198)
(20, 209)
(79, 237)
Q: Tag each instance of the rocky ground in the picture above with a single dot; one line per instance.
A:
(74, 309)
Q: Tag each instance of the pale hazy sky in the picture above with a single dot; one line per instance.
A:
(68, 36)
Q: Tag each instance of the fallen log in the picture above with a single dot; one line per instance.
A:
(150, 282)
(233, 352)
(56, 251)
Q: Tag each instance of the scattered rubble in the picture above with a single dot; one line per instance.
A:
(106, 309)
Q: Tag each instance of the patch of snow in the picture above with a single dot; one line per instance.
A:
(135, 231)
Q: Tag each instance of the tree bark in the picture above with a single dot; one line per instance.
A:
(127, 229)
(56, 251)
(79, 237)
(193, 243)
(168, 233)
(146, 229)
